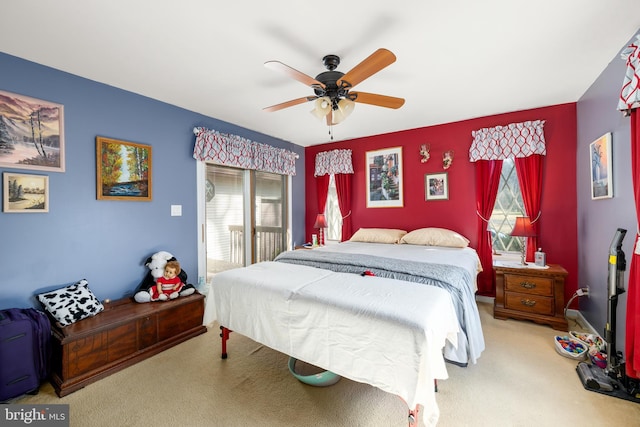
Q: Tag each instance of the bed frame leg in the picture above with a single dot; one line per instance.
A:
(225, 336)
(413, 417)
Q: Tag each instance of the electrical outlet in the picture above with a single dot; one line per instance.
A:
(583, 291)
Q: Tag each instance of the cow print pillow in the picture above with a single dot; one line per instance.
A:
(72, 303)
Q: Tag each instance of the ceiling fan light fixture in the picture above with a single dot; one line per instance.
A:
(322, 107)
(345, 108)
(323, 103)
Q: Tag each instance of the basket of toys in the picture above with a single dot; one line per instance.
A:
(590, 340)
(570, 347)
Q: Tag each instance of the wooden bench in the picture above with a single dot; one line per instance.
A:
(125, 333)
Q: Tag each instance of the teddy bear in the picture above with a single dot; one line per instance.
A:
(156, 263)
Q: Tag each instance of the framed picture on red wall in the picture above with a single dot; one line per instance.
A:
(384, 178)
(436, 186)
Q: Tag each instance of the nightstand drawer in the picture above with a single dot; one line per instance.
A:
(529, 303)
(529, 284)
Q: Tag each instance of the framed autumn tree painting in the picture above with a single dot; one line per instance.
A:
(123, 170)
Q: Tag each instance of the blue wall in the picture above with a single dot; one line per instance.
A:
(106, 242)
(599, 219)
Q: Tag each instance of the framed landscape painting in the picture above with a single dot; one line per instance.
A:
(25, 193)
(31, 133)
(601, 168)
(123, 170)
(384, 178)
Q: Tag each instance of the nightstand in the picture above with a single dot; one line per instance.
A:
(530, 293)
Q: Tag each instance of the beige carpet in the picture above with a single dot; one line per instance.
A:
(519, 381)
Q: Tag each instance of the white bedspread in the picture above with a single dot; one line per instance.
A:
(414, 263)
(383, 332)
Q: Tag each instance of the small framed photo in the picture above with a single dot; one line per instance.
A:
(436, 186)
(123, 170)
(25, 193)
(601, 168)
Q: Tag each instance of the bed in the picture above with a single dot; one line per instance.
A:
(384, 332)
(451, 268)
(318, 306)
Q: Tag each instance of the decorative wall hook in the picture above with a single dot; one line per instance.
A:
(447, 159)
(424, 152)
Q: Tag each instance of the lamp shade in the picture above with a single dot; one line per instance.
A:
(321, 221)
(345, 107)
(523, 227)
(322, 107)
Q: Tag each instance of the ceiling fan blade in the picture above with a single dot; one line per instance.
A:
(371, 65)
(379, 100)
(293, 73)
(290, 103)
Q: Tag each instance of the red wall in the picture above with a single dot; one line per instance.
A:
(558, 225)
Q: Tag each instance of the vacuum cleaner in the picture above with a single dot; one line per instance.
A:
(612, 380)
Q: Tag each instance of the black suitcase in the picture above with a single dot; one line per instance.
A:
(25, 349)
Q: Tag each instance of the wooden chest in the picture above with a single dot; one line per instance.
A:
(125, 333)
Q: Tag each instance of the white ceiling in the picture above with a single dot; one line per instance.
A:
(456, 59)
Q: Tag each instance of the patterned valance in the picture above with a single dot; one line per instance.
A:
(630, 93)
(333, 162)
(511, 141)
(233, 150)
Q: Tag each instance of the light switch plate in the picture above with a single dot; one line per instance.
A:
(176, 210)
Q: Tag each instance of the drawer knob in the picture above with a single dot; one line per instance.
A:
(528, 285)
(528, 302)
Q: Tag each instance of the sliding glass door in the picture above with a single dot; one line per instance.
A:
(225, 212)
(270, 208)
(236, 201)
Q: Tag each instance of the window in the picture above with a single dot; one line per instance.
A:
(332, 213)
(509, 205)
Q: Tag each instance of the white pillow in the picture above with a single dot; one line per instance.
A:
(72, 303)
(433, 236)
(378, 235)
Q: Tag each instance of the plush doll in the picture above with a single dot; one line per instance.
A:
(156, 264)
(169, 285)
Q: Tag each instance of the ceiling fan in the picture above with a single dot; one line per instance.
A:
(333, 97)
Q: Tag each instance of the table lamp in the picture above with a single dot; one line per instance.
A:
(523, 229)
(321, 224)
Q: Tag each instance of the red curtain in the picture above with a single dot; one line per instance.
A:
(487, 182)
(529, 171)
(322, 186)
(633, 295)
(343, 188)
